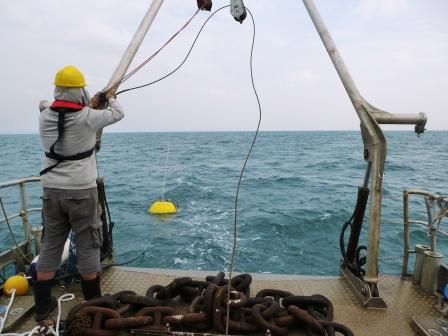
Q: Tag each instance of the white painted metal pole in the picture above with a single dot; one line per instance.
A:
(130, 52)
(135, 43)
(374, 141)
(338, 62)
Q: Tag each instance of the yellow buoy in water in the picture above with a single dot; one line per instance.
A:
(162, 208)
(17, 282)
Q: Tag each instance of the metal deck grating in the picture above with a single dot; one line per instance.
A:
(403, 298)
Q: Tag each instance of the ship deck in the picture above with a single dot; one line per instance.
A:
(404, 300)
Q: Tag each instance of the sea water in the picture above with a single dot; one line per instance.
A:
(296, 193)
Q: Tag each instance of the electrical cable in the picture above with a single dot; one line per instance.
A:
(184, 60)
(126, 77)
(359, 261)
(341, 238)
(243, 170)
(232, 259)
(134, 71)
(231, 265)
(71, 296)
(103, 267)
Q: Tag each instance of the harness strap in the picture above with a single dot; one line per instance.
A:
(76, 157)
(61, 158)
(46, 170)
(64, 106)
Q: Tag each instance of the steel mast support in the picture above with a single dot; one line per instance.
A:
(375, 149)
(131, 50)
(135, 43)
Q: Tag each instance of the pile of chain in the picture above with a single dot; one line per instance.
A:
(270, 311)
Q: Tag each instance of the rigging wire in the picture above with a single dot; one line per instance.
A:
(183, 61)
(136, 69)
(235, 221)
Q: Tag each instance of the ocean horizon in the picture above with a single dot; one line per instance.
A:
(298, 190)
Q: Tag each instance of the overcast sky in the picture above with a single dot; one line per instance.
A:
(396, 51)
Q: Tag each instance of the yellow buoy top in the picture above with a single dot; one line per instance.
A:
(162, 207)
(17, 282)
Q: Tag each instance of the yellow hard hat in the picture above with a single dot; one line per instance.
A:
(69, 76)
(17, 282)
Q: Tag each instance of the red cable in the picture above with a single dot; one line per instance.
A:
(134, 71)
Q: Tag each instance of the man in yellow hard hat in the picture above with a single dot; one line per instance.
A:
(68, 129)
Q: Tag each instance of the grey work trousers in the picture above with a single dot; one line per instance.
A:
(66, 210)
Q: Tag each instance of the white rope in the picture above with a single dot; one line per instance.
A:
(37, 329)
(3, 319)
(63, 298)
(166, 168)
(28, 333)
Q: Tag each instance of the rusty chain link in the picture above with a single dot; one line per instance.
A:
(163, 309)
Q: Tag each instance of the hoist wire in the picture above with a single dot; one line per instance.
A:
(235, 218)
(183, 61)
(134, 71)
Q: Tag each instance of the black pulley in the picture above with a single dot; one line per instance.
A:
(205, 5)
(238, 10)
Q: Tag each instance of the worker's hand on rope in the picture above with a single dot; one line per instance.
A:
(98, 100)
(111, 92)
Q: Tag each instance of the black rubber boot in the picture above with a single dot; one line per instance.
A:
(91, 288)
(45, 303)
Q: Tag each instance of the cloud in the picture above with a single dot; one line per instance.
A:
(377, 9)
(305, 76)
(399, 63)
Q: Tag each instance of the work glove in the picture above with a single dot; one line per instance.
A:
(100, 99)
(111, 92)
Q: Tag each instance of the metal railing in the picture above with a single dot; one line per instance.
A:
(21, 253)
(436, 209)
